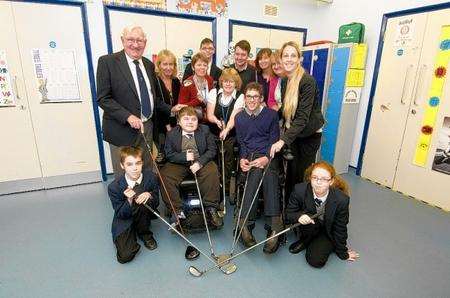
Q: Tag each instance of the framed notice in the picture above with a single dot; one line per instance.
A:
(7, 98)
(56, 75)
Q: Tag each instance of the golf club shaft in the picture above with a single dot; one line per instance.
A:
(258, 244)
(179, 234)
(251, 205)
(223, 178)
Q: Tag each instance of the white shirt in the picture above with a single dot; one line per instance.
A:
(322, 198)
(132, 183)
(226, 100)
(183, 133)
(209, 68)
(136, 82)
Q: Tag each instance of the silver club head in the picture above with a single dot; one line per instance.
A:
(195, 272)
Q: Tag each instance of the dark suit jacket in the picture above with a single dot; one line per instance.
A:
(205, 140)
(301, 201)
(118, 97)
(308, 117)
(215, 73)
(123, 216)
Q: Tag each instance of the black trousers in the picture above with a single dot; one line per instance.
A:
(270, 191)
(229, 160)
(304, 151)
(208, 180)
(318, 245)
(126, 243)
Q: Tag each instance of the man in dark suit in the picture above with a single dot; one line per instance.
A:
(127, 93)
(128, 194)
(206, 48)
(191, 147)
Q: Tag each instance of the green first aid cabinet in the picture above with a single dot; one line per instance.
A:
(353, 32)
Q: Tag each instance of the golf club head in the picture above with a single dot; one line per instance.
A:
(229, 268)
(195, 272)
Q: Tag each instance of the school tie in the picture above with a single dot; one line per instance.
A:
(145, 97)
(318, 202)
(189, 135)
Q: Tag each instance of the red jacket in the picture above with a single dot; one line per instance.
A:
(189, 93)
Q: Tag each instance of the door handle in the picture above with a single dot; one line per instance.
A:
(402, 101)
(419, 83)
(15, 88)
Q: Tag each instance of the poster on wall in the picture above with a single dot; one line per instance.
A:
(152, 4)
(205, 7)
(405, 33)
(7, 98)
(56, 75)
(441, 161)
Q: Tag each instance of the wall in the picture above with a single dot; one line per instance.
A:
(321, 20)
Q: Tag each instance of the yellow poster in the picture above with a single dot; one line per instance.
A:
(440, 73)
(359, 56)
(355, 78)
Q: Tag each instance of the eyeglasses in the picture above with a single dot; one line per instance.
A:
(320, 179)
(252, 97)
(132, 40)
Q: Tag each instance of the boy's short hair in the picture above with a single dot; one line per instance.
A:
(243, 44)
(187, 111)
(129, 151)
(254, 86)
(205, 41)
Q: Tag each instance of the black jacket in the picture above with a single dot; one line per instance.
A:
(118, 97)
(336, 217)
(205, 140)
(308, 117)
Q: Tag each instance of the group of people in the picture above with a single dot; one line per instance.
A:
(268, 111)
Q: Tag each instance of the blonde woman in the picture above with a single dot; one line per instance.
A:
(301, 113)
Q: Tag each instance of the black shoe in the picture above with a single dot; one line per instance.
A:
(214, 217)
(296, 247)
(191, 253)
(272, 245)
(247, 237)
(149, 242)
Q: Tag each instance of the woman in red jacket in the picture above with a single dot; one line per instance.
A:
(194, 90)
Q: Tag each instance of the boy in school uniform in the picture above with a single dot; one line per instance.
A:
(128, 194)
(191, 147)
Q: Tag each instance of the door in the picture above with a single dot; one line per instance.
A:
(20, 160)
(391, 103)
(65, 132)
(421, 181)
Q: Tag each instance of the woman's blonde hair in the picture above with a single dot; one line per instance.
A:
(232, 75)
(291, 95)
(338, 183)
(166, 54)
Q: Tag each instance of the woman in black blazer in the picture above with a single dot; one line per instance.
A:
(326, 194)
(301, 113)
(169, 88)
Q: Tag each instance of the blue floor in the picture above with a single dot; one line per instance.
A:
(57, 243)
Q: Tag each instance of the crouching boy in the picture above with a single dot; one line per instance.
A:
(128, 194)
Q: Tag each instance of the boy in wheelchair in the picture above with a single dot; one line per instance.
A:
(191, 148)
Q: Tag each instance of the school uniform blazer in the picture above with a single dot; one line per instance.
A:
(336, 217)
(215, 73)
(308, 117)
(205, 140)
(118, 97)
(123, 215)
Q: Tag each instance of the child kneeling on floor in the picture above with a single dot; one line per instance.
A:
(128, 194)
(326, 194)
